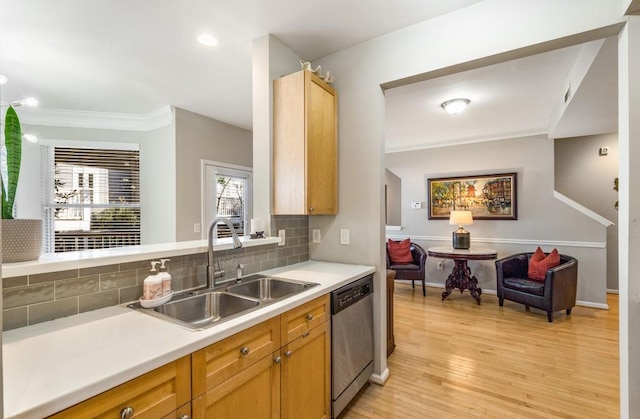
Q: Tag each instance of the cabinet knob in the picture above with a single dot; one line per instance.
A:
(288, 354)
(184, 417)
(311, 209)
(244, 350)
(126, 412)
(277, 359)
(309, 317)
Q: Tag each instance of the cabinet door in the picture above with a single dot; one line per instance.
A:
(152, 395)
(300, 320)
(306, 376)
(321, 146)
(220, 361)
(289, 193)
(253, 393)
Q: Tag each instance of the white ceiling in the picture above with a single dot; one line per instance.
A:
(121, 56)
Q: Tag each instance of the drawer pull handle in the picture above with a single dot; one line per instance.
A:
(126, 412)
(305, 335)
(244, 350)
(288, 354)
(277, 360)
(309, 317)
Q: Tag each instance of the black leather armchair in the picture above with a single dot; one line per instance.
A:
(557, 292)
(413, 271)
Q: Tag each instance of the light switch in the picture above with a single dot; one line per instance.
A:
(316, 235)
(344, 236)
(282, 236)
(196, 227)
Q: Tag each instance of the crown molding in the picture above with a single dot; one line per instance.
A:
(158, 118)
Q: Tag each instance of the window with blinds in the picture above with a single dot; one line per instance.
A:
(91, 198)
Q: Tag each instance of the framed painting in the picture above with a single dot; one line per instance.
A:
(488, 197)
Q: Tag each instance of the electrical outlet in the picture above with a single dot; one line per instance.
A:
(282, 235)
(440, 265)
(196, 227)
(315, 233)
(344, 236)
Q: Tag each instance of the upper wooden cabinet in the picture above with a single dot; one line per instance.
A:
(305, 145)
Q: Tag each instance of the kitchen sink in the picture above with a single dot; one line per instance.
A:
(205, 308)
(267, 288)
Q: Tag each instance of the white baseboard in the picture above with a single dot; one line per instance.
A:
(380, 379)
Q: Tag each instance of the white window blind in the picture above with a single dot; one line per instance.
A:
(91, 198)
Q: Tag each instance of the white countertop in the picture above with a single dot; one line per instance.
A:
(51, 366)
(51, 262)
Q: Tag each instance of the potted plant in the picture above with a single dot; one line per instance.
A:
(21, 238)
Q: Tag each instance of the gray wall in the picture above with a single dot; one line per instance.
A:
(587, 178)
(542, 220)
(197, 138)
(394, 198)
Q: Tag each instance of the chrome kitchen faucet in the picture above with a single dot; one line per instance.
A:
(212, 273)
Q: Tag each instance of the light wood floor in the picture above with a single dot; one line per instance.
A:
(455, 359)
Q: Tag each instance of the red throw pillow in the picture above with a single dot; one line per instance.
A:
(400, 252)
(539, 264)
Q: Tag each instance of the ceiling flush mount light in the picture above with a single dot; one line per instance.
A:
(455, 106)
(208, 40)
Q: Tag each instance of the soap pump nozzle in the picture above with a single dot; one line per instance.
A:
(153, 270)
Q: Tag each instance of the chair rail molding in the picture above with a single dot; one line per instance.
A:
(495, 240)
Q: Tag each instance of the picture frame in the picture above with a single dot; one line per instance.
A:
(488, 197)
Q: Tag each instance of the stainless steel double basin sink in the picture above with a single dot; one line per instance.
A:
(204, 308)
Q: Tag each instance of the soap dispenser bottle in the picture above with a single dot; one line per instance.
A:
(152, 285)
(166, 277)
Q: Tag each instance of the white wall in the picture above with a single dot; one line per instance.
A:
(542, 220)
(199, 137)
(271, 60)
(629, 213)
(157, 172)
(488, 31)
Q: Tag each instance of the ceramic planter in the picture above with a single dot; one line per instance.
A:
(21, 240)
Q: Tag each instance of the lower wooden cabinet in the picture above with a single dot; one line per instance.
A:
(306, 375)
(252, 393)
(183, 412)
(153, 395)
(252, 374)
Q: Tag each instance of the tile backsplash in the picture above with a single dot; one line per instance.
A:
(33, 299)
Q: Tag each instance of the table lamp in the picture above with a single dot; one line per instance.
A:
(461, 238)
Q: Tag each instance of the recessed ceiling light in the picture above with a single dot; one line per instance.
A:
(30, 138)
(30, 102)
(3, 79)
(208, 40)
(455, 106)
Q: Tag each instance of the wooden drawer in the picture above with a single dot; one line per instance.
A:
(220, 361)
(152, 395)
(300, 320)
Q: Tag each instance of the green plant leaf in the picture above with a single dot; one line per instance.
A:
(13, 144)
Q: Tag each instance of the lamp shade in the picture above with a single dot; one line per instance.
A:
(460, 218)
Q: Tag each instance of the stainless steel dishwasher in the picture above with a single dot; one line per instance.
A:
(351, 341)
